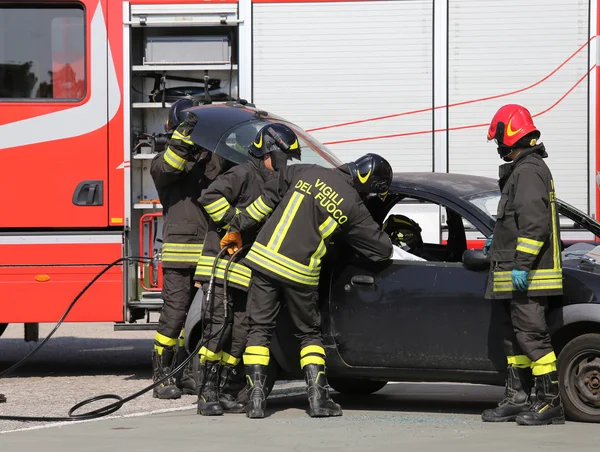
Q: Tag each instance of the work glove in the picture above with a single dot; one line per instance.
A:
(234, 238)
(487, 245)
(520, 281)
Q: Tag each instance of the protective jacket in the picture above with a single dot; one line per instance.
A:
(527, 232)
(307, 204)
(180, 172)
(228, 194)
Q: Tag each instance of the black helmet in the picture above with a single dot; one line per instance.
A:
(275, 137)
(177, 114)
(404, 232)
(371, 173)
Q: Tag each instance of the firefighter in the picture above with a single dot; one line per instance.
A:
(306, 205)
(230, 192)
(526, 269)
(180, 172)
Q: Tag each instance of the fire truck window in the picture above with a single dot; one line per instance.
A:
(42, 52)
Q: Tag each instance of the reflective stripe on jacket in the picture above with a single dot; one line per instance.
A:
(230, 192)
(527, 232)
(303, 208)
(180, 172)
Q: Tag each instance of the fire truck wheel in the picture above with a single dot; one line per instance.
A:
(3, 327)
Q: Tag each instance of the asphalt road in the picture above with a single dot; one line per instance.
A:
(87, 360)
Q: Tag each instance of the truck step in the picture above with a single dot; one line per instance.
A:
(135, 326)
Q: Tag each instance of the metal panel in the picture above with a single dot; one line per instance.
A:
(322, 64)
(183, 15)
(518, 47)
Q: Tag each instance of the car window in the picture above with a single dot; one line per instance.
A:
(234, 146)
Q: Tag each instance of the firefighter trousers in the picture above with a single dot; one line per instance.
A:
(264, 296)
(525, 329)
(178, 292)
(231, 338)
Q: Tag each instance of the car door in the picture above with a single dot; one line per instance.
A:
(414, 314)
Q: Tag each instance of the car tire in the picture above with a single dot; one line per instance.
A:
(579, 376)
(3, 327)
(356, 385)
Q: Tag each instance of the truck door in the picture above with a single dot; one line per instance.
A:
(54, 87)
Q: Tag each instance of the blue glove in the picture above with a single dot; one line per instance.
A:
(519, 279)
(488, 244)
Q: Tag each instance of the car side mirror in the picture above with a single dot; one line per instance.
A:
(475, 260)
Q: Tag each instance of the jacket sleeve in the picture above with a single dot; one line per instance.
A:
(263, 206)
(179, 157)
(367, 238)
(532, 204)
(220, 197)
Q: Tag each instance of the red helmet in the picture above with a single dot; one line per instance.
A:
(511, 123)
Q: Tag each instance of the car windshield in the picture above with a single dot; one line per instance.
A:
(234, 144)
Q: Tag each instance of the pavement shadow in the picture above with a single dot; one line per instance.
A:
(444, 398)
(76, 356)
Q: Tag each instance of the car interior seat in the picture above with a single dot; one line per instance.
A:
(457, 238)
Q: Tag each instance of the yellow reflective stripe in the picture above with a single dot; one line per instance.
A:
(229, 359)
(256, 354)
(208, 355)
(281, 271)
(184, 138)
(312, 349)
(254, 213)
(284, 260)
(326, 229)
(319, 360)
(542, 369)
(257, 350)
(181, 252)
(534, 275)
(254, 359)
(217, 205)
(531, 242)
(546, 359)
(174, 160)
(526, 249)
(164, 340)
(521, 361)
(158, 348)
(262, 207)
(285, 221)
(218, 216)
(237, 274)
(556, 245)
(548, 284)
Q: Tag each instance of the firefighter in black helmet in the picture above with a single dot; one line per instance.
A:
(180, 172)
(222, 372)
(306, 205)
(526, 269)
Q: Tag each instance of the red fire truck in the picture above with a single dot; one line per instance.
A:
(85, 86)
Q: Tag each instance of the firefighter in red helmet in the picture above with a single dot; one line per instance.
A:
(526, 269)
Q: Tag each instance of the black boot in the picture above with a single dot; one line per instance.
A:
(2, 398)
(162, 365)
(257, 379)
(208, 399)
(516, 397)
(547, 408)
(231, 383)
(186, 379)
(321, 404)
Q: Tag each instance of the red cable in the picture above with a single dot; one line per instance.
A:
(466, 102)
(421, 132)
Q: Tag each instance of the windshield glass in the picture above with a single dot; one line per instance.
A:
(234, 144)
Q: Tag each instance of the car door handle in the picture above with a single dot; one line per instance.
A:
(89, 193)
(362, 280)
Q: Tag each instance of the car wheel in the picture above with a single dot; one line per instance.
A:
(356, 385)
(3, 327)
(579, 374)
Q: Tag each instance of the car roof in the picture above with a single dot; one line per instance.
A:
(460, 185)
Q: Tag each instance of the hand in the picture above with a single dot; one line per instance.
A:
(520, 281)
(234, 238)
(488, 244)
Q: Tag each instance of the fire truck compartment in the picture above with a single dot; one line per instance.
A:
(40, 275)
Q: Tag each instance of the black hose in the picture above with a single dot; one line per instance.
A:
(120, 401)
